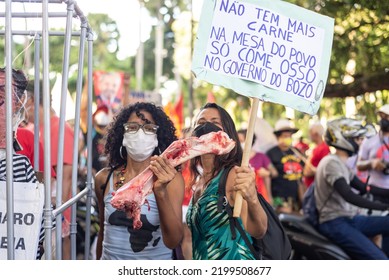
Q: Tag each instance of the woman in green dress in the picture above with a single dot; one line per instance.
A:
(211, 235)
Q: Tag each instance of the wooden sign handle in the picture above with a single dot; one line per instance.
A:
(247, 152)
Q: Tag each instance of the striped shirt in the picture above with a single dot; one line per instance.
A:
(22, 170)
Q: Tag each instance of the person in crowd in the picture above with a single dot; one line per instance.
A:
(101, 119)
(21, 165)
(374, 154)
(287, 188)
(25, 137)
(301, 146)
(264, 169)
(67, 157)
(363, 175)
(321, 149)
(135, 139)
(211, 235)
(338, 204)
(352, 162)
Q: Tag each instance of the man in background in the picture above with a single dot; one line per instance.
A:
(316, 135)
(67, 157)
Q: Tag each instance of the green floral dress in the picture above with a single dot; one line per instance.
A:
(211, 235)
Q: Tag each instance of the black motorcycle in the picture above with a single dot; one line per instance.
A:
(307, 242)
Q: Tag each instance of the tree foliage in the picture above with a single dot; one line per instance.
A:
(359, 64)
(166, 12)
(361, 38)
(105, 49)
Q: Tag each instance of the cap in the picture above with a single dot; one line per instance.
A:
(284, 125)
(384, 109)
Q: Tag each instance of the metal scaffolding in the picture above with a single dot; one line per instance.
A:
(41, 65)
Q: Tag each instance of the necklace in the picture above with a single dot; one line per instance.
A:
(121, 177)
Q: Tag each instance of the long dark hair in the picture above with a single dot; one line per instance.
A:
(232, 158)
(166, 133)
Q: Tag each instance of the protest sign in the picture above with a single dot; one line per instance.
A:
(108, 89)
(266, 49)
(145, 96)
(28, 209)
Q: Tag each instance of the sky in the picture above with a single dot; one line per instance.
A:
(127, 14)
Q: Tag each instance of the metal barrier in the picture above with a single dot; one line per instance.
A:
(41, 37)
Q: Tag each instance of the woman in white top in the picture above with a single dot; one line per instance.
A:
(136, 137)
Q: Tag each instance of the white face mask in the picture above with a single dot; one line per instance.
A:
(17, 118)
(19, 115)
(139, 145)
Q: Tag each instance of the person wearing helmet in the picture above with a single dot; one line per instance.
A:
(374, 154)
(338, 204)
(353, 160)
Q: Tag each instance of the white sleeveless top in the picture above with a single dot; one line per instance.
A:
(123, 242)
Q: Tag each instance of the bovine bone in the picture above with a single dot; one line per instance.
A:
(132, 195)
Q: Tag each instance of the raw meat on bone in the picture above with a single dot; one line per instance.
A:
(132, 195)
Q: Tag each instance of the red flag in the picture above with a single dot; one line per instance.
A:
(179, 108)
(175, 113)
(168, 109)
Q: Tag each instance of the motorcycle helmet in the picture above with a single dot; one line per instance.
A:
(341, 133)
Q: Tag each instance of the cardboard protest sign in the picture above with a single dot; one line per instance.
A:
(266, 49)
(28, 210)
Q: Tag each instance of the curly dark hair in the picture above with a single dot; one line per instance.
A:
(166, 133)
(233, 158)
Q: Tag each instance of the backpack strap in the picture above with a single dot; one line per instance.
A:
(221, 191)
(223, 205)
(249, 244)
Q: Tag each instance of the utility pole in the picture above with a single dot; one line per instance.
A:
(191, 107)
(139, 60)
(158, 50)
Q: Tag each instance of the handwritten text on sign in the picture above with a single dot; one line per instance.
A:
(259, 45)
